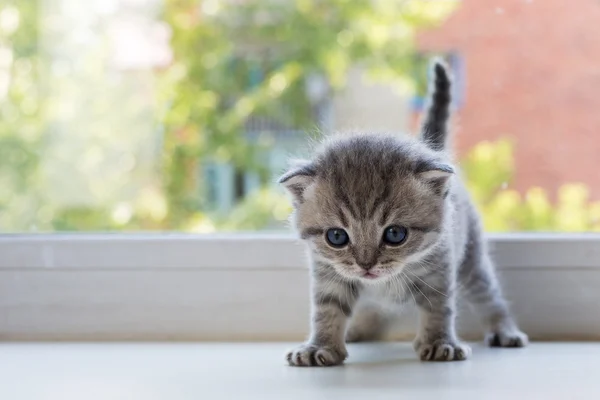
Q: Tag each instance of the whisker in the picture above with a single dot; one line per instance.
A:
(403, 276)
(403, 288)
(427, 284)
(393, 286)
(420, 291)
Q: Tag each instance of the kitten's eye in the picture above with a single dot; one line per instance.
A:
(395, 235)
(337, 237)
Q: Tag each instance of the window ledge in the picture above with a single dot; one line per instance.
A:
(249, 286)
(254, 251)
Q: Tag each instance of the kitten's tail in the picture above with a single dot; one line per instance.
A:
(434, 130)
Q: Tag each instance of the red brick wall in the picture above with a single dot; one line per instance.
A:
(532, 70)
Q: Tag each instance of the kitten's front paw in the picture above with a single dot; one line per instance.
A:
(507, 338)
(310, 355)
(442, 350)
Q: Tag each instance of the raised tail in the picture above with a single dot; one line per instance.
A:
(434, 130)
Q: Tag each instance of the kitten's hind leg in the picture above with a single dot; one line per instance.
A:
(368, 324)
(478, 280)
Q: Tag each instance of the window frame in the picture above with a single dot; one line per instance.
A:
(250, 286)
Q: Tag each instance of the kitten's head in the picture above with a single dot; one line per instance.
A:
(370, 204)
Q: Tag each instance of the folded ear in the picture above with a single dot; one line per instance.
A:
(298, 178)
(435, 173)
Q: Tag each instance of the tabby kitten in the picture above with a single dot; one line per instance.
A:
(386, 220)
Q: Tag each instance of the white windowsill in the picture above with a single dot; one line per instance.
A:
(218, 371)
(249, 286)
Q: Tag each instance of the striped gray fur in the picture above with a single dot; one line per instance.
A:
(434, 130)
(363, 183)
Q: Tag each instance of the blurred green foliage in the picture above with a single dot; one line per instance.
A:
(66, 156)
(21, 114)
(231, 61)
(218, 46)
(489, 169)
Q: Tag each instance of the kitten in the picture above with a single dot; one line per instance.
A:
(387, 220)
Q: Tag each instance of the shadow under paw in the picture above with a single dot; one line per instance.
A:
(354, 336)
(507, 339)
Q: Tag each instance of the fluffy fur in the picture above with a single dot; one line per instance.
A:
(363, 183)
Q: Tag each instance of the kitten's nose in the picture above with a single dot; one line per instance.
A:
(365, 257)
(366, 266)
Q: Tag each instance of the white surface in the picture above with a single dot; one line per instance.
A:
(257, 371)
(248, 287)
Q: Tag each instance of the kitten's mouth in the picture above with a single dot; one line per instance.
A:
(369, 275)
